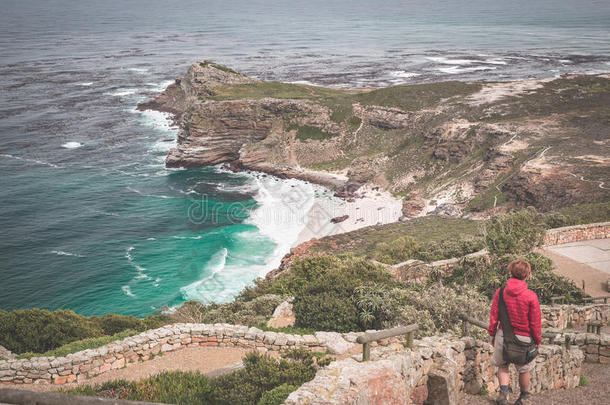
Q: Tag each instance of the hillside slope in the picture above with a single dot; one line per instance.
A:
(449, 148)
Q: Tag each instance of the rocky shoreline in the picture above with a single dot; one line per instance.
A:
(457, 149)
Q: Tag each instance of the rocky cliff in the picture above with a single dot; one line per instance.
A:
(448, 148)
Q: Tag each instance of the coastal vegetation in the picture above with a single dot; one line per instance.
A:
(263, 381)
(40, 330)
(341, 286)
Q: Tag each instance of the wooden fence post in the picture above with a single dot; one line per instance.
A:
(410, 340)
(366, 351)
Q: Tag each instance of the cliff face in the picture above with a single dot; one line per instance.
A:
(446, 147)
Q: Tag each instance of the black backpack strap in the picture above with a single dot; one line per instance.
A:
(507, 327)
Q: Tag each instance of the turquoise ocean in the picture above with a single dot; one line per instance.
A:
(91, 220)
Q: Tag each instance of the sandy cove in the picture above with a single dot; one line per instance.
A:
(368, 207)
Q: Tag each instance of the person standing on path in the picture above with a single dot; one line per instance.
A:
(525, 317)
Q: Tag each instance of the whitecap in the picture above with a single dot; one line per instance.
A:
(305, 82)
(158, 87)
(446, 61)
(453, 70)
(110, 214)
(139, 269)
(72, 145)
(404, 74)
(127, 290)
(62, 253)
(494, 61)
(84, 84)
(134, 190)
(123, 92)
(40, 162)
(138, 70)
(213, 267)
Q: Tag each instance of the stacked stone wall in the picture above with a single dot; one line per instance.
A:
(596, 348)
(436, 367)
(577, 233)
(565, 316)
(79, 366)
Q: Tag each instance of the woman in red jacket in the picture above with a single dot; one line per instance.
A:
(524, 314)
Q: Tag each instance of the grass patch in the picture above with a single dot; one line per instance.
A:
(206, 63)
(77, 346)
(290, 330)
(584, 381)
(354, 123)
(414, 97)
(305, 132)
(583, 214)
(429, 229)
(274, 90)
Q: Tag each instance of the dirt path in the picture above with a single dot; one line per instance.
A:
(596, 392)
(203, 359)
(594, 279)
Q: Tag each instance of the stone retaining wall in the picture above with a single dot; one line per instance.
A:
(438, 368)
(562, 316)
(88, 363)
(577, 233)
(596, 348)
(420, 272)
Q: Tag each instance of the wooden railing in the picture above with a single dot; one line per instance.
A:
(562, 299)
(593, 299)
(369, 337)
(22, 397)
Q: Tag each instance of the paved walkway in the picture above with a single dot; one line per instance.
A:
(587, 261)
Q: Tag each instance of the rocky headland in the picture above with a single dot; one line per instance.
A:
(451, 148)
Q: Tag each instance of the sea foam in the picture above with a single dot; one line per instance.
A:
(72, 145)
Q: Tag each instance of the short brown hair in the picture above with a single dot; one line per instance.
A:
(520, 269)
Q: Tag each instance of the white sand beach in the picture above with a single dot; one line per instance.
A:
(370, 207)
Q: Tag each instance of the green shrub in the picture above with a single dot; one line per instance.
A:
(579, 214)
(277, 395)
(114, 323)
(260, 374)
(375, 304)
(354, 122)
(326, 312)
(338, 275)
(436, 308)
(488, 276)
(170, 387)
(78, 345)
(39, 330)
(449, 248)
(516, 233)
(399, 250)
(252, 312)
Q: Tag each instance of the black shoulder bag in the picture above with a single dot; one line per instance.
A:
(514, 350)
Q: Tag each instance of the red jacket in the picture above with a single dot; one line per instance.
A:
(523, 310)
